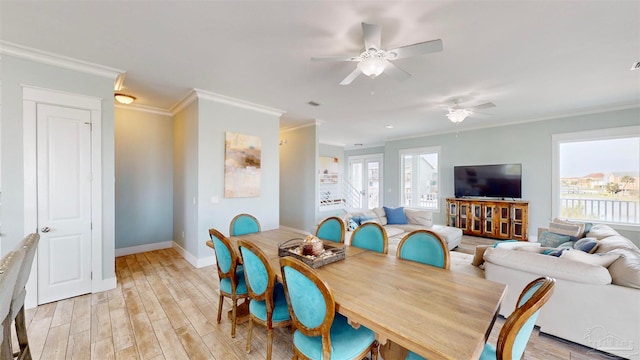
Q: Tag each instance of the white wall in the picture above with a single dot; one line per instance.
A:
(144, 179)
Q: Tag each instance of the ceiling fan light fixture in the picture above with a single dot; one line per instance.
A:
(372, 66)
(458, 115)
(124, 98)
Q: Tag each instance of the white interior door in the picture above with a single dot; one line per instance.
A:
(64, 202)
(365, 175)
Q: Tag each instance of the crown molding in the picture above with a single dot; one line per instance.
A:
(45, 57)
(206, 95)
(190, 97)
(143, 108)
(194, 94)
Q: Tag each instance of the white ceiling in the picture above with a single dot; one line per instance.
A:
(533, 59)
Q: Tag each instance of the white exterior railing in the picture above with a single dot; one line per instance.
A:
(609, 210)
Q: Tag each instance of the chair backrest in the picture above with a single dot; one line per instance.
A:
(243, 224)
(332, 229)
(259, 276)
(9, 270)
(28, 245)
(426, 247)
(311, 303)
(370, 236)
(517, 329)
(226, 258)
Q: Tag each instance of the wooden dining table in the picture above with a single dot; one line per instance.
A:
(436, 313)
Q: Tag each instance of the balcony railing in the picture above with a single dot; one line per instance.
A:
(607, 210)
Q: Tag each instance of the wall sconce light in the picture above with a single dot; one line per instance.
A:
(124, 98)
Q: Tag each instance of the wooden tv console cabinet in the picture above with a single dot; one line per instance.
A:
(492, 218)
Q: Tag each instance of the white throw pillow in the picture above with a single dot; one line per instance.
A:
(563, 227)
(594, 259)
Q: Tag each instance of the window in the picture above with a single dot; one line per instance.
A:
(419, 184)
(596, 176)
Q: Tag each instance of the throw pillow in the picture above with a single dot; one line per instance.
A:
(352, 225)
(605, 259)
(395, 215)
(551, 239)
(478, 257)
(381, 215)
(588, 245)
(575, 230)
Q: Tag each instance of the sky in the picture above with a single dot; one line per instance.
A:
(578, 159)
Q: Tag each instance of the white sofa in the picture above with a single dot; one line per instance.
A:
(416, 220)
(592, 305)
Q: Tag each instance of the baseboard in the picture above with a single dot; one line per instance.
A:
(196, 262)
(144, 248)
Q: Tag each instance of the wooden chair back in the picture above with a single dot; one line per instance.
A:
(243, 224)
(332, 229)
(259, 276)
(28, 245)
(226, 258)
(371, 236)
(426, 247)
(516, 331)
(311, 303)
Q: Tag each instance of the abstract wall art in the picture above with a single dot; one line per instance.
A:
(241, 165)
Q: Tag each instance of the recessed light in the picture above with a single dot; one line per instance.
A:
(389, 126)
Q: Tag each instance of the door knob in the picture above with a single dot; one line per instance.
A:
(45, 229)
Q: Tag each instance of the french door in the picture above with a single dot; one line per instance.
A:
(365, 179)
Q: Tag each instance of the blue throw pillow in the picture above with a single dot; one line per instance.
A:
(395, 216)
(352, 224)
(551, 239)
(587, 245)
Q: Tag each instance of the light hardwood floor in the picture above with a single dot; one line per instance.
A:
(164, 308)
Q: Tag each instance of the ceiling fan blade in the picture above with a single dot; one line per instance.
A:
(479, 115)
(335, 58)
(396, 72)
(354, 74)
(417, 49)
(372, 36)
(483, 106)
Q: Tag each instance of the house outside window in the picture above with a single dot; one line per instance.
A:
(420, 179)
(597, 176)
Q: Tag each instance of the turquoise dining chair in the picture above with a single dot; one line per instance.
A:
(231, 274)
(371, 236)
(320, 332)
(332, 229)
(28, 246)
(424, 246)
(268, 306)
(9, 271)
(516, 331)
(243, 224)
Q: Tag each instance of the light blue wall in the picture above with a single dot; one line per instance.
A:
(298, 184)
(527, 143)
(185, 178)
(214, 120)
(17, 71)
(144, 177)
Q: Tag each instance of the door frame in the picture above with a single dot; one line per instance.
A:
(31, 96)
(364, 159)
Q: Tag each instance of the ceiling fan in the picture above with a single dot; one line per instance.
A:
(458, 113)
(373, 61)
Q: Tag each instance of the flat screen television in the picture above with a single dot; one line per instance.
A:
(494, 181)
